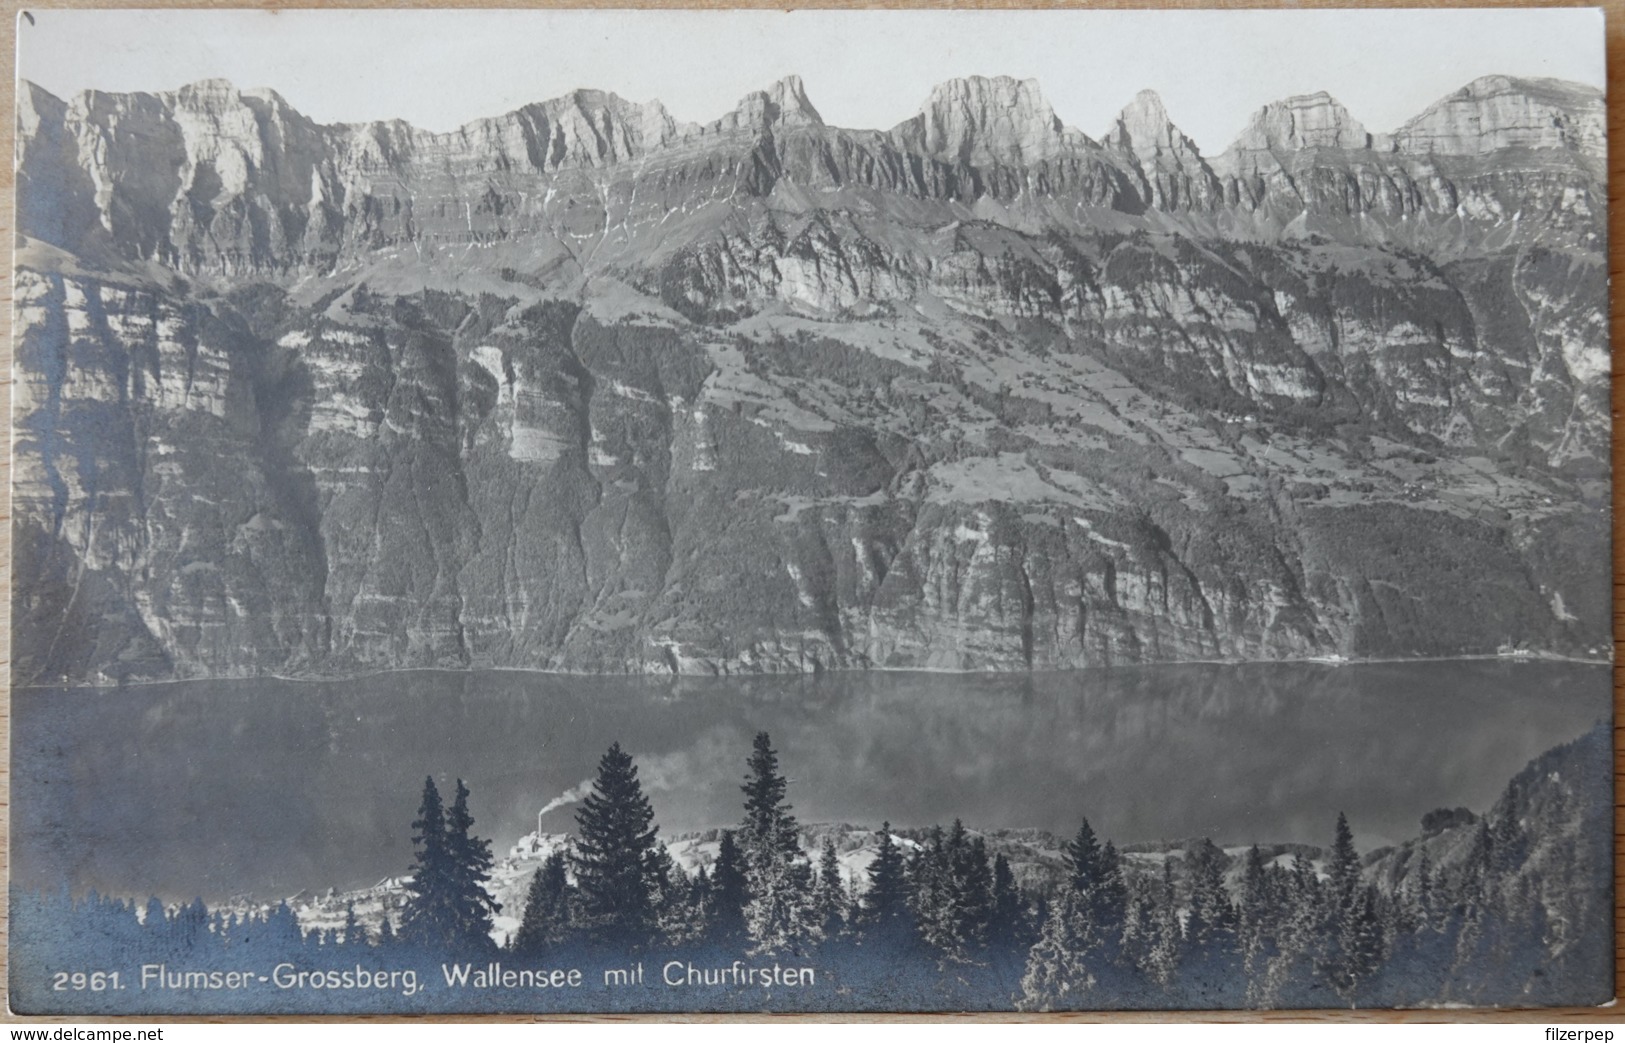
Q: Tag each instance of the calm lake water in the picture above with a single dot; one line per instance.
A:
(269, 787)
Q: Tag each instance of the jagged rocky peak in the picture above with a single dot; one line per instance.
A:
(1497, 112)
(585, 128)
(216, 92)
(784, 104)
(1144, 129)
(981, 120)
(1304, 121)
(593, 127)
(36, 105)
(789, 100)
(1173, 174)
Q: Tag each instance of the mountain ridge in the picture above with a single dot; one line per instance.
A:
(323, 194)
(583, 388)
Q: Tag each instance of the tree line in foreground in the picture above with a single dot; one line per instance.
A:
(1205, 929)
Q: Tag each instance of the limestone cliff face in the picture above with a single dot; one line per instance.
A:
(1173, 174)
(984, 122)
(1501, 112)
(1306, 163)
(583, 388)
(1302, 122)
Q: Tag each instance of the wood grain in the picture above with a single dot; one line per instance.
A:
(1615, 16)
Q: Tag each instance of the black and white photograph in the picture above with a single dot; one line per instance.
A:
(656, 511)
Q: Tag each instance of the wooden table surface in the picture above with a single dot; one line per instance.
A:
(1615, 11)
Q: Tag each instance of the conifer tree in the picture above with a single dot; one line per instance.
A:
(1212, 917)
(1255, 916)
(769, 827)
(471, 862)
(779, 913)
(929, 893)
(355, 932)
(831, 897)
(1344, 869)
(1354, 944)
(1423, 899)
(1212, 961)
(1170, 943)
(885, 902)
(729, 892)
(1008, 927)
(973, 891)
(1110, 893)
(1096, 874)
(282, 929)
(429, 916)
(612, 856)
(1082, 857)
(1061, 966)
(676, 919)
(546, 920)
(1294, 974)
(155, 919)
(699, 895)
(1360, 943)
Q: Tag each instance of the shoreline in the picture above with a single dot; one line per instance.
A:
(652, 677)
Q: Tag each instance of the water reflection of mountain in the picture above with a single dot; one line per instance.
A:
(220, 787)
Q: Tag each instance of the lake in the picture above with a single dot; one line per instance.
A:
(269, 787)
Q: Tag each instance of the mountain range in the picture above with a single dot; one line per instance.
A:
(584, 388)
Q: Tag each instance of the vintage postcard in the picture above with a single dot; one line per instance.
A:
(532, 511)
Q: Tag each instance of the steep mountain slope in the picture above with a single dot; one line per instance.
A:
(581, 387)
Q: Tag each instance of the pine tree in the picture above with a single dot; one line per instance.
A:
(769, 827)
(951, 882)
(972, 877)
(1212, 917)
(1212, 958)
(729, 893)
(1361, 944)
(831, 896)
(355, 932)
(282, 929)
(615, 839)
(471, 863)
(1096, 874)
(546, 921)
(1355, 943)
(1110, 893)
(154, 919)
(1169, 948)
(1422, 894)
(429, 916)
(1082, 858)
(675, 919)
(780, 911)
(885, 902)
(1294, 976)
(1345, 866)
(1009, 927)
(929, 886)
(1255, 917)
(1060, 971)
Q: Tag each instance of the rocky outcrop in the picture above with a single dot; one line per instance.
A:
(987, 122)
(1501, 112)
(583, 388)
(1303, 122)
(1173, 175)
